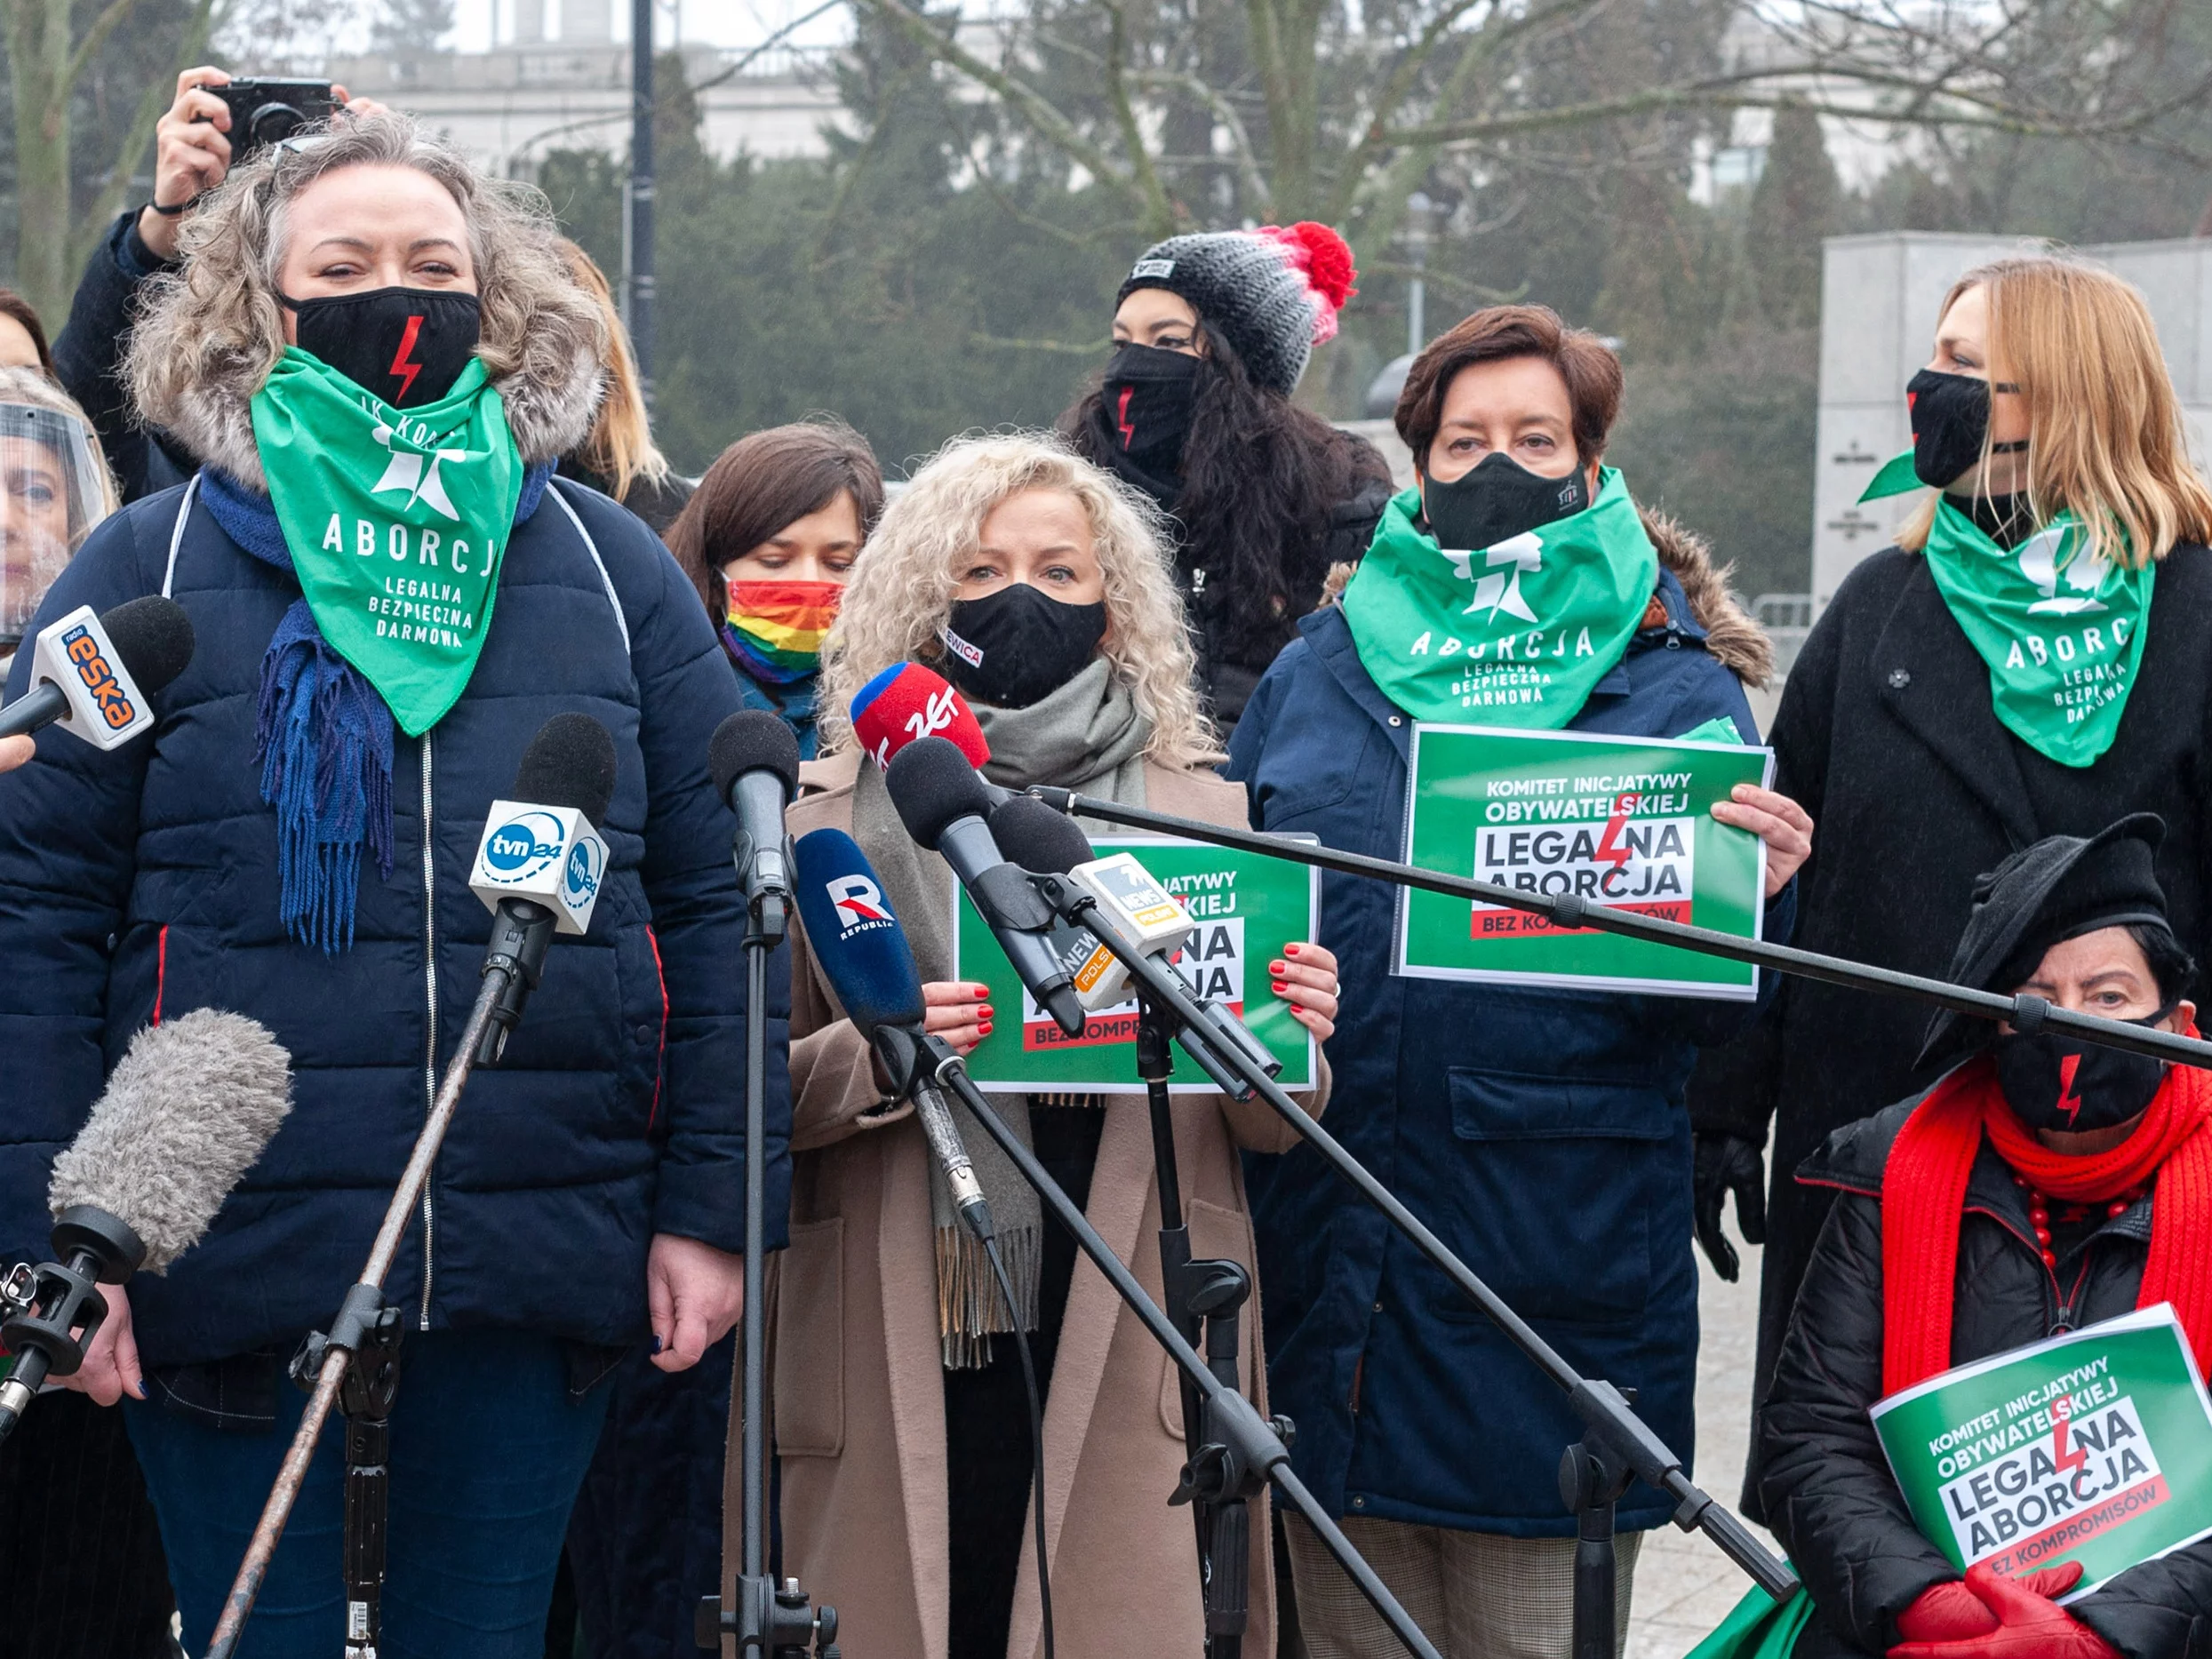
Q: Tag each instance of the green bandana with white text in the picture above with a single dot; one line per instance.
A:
(1516, 634)
(396, 521)
(2061, 629)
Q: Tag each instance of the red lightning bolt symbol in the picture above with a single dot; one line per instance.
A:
(1610, 848)
(1121, 417)
(406, 370)
(2065, 1459)
(2069, 1102)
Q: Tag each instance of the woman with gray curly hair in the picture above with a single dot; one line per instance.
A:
(1040, 585)
(376, 354)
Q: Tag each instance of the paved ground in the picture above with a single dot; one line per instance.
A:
(1684, 1586)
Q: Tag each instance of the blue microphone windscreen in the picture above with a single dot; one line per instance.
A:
(852, 932)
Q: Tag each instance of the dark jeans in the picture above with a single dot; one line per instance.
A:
(489, 1446)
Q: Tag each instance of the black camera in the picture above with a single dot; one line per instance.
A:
(269, 111)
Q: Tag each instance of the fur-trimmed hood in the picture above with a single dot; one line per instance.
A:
(1730, 634)
(1739, 644)
(549, 399)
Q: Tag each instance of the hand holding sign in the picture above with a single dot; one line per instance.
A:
(2023, 1622)
(1785, 827)
(958, 1010)
(1305, 978)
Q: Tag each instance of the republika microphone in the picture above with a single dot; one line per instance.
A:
(864, 953)
(541, 863)
(754, 761)
(907, 703)
(94, 675)
(943, 802)
(189, 1109)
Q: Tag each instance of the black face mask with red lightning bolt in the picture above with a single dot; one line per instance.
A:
(406, 345)
(1148, 396)
(2054, 1082)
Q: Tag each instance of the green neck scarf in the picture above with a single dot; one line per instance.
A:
(1517, 635)
(2061, 629)
(396, 523)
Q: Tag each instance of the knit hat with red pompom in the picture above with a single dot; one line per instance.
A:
(1273, 293)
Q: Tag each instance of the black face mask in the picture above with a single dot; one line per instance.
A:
(406, 345)
(2056, 1082)
(1017, 646)
(1496, 501)
(1147, 398)
(1949, 415)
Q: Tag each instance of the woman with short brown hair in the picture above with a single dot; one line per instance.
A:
(1539, 1131)
(2032, 657)
(769, 539)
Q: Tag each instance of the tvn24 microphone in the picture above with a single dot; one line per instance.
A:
(541, 863)
(94, 675)
(863, 951)
(907, 703)
(754, 762)
(188, 1110)
(943, 802)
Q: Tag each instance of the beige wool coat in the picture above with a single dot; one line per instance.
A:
(857, 1392)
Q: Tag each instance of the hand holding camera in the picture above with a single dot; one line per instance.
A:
(216, 120)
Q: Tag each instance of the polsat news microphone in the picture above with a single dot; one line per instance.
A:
(94, 675)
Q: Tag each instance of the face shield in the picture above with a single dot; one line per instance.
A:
(52, 493)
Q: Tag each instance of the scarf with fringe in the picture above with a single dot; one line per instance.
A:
(322, 736)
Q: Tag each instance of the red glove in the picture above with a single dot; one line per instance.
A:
(2028, 1623)
(1947, 1612)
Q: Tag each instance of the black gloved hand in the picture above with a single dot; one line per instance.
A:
(1725, 1164)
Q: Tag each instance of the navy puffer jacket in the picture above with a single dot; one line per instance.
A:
(140, 884)
(1541, 1134)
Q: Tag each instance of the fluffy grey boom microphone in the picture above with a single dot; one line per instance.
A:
(189, 1109)
(187, 1112)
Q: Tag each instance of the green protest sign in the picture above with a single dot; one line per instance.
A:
(1625, 822)
(1245, 908)
(2093, 1447)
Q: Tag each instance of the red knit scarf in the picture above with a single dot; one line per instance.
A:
(1923, 1194)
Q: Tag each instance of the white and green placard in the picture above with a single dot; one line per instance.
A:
(1625, 822)
(2093, 1447)
(1244, 907)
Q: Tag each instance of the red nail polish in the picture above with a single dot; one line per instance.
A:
(982, 991)
(1289, 950)
(985, 1028)
(1280, 987)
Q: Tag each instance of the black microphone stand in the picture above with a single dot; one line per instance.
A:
(775, 1620)
(1615, 1429)
(1242, 1452)
(1204, 1298)
(1569, 911)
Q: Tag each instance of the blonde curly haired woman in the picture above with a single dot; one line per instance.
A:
(899, 1414)
(377, 354)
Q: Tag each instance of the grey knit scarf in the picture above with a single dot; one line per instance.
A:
(1089, 735)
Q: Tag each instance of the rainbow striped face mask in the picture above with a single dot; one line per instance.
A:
(775, 629)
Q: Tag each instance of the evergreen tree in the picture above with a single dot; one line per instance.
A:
(1792, 208)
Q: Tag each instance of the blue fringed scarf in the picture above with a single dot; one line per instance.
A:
(322, 736)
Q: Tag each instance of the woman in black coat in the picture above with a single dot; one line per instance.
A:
(1901, 729)
(1211, 333)
(2022, 1197)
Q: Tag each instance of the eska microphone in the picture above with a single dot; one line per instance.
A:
(92, 676)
